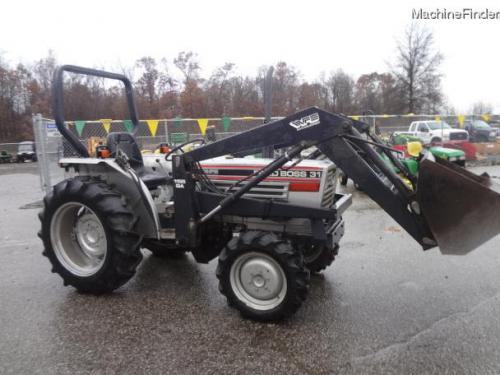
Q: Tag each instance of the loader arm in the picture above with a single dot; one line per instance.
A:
(445, 205)
(337, 136)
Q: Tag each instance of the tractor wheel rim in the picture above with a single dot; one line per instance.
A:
(258, 281)
(78, 238)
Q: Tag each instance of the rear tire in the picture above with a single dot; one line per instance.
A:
(88, 235)
(262, 276)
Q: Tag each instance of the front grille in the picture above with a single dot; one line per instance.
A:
(265, 189)
(458, 136)
(329, 190)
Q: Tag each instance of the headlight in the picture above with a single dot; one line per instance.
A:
(462, 157)
(493, 134)
(452, 158)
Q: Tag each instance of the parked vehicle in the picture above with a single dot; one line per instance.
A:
(5, 157)
(467, 147)
(435, 132)
(26, 151)
(450, 154)
(480, 131)
(399, 142)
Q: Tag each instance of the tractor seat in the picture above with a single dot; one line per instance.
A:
(127, 143)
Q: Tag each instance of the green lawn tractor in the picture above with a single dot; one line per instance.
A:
(5, 157)
(400, 141)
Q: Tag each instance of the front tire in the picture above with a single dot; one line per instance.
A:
(88, 232)
(262, 276)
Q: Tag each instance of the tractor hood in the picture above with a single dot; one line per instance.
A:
(261, 162)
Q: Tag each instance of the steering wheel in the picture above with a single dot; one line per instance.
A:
(201, 141)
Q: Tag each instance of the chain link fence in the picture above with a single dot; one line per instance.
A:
(52, 147)
(10, 148)
(173, 132)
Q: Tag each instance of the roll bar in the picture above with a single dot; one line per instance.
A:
(58, 101)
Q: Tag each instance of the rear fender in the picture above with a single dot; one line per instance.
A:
(109, 171)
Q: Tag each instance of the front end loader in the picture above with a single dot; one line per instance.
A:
(270, 226)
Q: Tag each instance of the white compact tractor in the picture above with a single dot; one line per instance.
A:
(270, 222)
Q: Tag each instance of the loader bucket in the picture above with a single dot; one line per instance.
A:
(462, 209)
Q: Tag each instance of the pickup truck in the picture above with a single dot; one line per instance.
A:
(435, 132)
(480, 131)
(26, 151)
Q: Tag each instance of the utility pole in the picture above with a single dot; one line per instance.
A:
(268, 152)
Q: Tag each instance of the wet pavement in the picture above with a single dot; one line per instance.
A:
(384, 307)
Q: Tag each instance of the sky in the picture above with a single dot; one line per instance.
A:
(314, 36)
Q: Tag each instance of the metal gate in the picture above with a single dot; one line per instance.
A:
(49, 150)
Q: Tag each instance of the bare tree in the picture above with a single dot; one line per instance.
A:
(414, 86)
(481, 108)
(147, 84)
(154, 86)
(187, 63)
(417, 70)
(219, 90)
(15, 101)
(192, 98)
(246, 97)
(311, 94)
(378, 92)
(42, 72)
(285, 88)
(341, 90)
